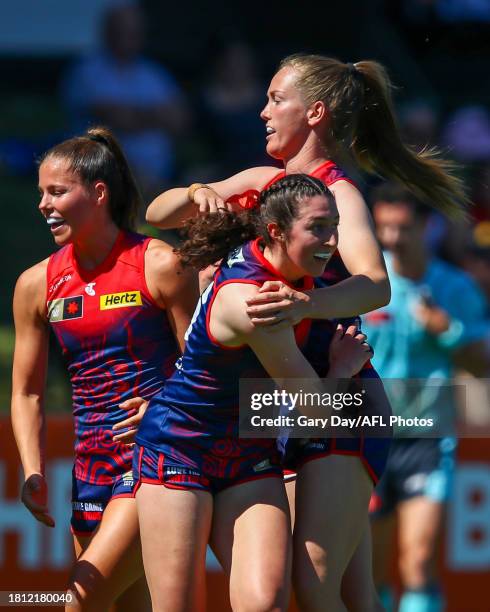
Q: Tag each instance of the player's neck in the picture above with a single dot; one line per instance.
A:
(313, 154)
(93, 249)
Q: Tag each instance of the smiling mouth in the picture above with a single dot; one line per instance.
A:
(55, 222)
(322, 256)
(269, 131)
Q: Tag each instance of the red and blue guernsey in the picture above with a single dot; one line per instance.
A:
(117, 343)
(193, 422)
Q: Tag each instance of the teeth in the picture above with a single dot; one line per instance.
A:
(322, 255)
(54, 220)
(269, 130)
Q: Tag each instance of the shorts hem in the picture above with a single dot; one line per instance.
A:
(363, 460)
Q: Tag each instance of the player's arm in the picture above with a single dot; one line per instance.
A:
(172, 287)
(28, 386)
(172, 207)
(282, 359)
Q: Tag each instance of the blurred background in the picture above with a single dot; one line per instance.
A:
(182, 85)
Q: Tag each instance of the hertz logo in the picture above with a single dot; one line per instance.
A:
(120, 300)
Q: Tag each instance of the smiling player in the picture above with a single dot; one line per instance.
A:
(118, 305)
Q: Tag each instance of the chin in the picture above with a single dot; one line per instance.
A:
(273, 152)
(63, 240)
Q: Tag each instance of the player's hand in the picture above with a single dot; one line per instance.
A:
(34, 496)
(276, 305)
(435, 320)
(208, 201)
(137, 407)
(348, 352)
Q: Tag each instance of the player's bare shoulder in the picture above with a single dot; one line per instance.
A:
(30, 289)
(161, 261)
(164, 273)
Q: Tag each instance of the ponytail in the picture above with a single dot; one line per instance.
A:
(97, 155)
(378, 147)
(362, 120)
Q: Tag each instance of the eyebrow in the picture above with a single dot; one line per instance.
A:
(336, 218)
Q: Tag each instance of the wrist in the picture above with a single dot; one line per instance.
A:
(319, 302)
(191, 190)
(33, 470)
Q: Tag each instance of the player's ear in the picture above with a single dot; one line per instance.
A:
(275, 232)
(101, 193)
(316, 113)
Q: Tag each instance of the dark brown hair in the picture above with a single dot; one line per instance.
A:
(97, 156)
(213, 236)
(362, 121)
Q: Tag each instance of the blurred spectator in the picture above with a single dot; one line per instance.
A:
(133, 95)
(476, 260)
(415, 338)
(419, 122)
(233, 96)
(481, 191)
(467, 134)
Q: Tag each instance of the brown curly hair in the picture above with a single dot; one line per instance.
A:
(211, 237)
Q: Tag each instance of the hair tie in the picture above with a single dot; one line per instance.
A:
(98, 138)
(352, 68)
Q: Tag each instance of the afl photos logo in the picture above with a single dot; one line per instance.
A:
(120, 300)
(63, 309)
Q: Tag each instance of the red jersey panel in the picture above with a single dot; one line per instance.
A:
(117, 343)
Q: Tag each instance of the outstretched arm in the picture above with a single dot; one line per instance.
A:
(282, 359)
(171, 208)
(28, 383)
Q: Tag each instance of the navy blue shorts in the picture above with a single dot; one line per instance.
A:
(373, 452)
(228, 463)
(90, 500)
(415, 467)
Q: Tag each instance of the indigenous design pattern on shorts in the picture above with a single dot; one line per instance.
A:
(228, 463)
(90, 500)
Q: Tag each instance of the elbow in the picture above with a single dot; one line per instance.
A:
(150, 216)
(384, 291)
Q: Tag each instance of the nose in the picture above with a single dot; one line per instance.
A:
(332, 239)
(44, 203)
(265, 115)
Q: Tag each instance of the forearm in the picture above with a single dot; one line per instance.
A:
(355, 295)
(28, 424)
(170, 208)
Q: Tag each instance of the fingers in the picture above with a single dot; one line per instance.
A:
(133, 403)
(351, 331)
(44, 518)
(266, 303)
(126, 437)
(129, 422)
(272, 323)
(38, 509)
(272, 286)
(210, 204)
